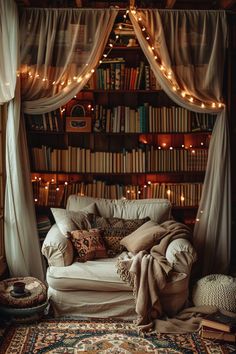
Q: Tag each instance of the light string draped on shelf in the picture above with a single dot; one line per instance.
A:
(168, 72)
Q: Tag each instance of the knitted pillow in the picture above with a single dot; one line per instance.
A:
(114, 229)
(88, 244)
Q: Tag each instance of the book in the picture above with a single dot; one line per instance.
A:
(211, 333)
(220, 321)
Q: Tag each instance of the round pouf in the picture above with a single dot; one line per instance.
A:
(216, 290)
(28, 306)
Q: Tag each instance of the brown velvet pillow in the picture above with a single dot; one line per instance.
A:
(88, 244)
(114, 230)
(144, 238)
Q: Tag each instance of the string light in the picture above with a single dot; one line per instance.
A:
(169, 74)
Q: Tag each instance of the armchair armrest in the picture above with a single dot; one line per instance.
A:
(181, 255)
(57, 249)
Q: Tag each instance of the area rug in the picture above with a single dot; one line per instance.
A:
(72, 336)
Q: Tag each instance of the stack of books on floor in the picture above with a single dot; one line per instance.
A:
(219, 326)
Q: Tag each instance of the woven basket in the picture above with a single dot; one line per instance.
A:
(216, 290)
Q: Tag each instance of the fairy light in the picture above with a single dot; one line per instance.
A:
(169, 74)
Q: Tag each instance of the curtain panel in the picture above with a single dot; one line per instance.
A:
(186, 51)
(61, 51)
(8, 49)
(63, 48)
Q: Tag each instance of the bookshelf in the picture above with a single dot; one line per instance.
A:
(139, 145)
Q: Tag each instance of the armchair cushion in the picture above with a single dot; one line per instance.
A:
(88, 244)
(115, 229)
(73, 220)
(143, 238)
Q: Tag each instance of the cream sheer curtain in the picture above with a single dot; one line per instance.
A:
(8, 50)
(57, 59)
(186, 51)
(21, 241)
(62, 49)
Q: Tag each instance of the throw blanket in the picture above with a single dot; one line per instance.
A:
(147, 273)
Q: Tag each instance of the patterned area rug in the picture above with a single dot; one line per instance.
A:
(72, 336)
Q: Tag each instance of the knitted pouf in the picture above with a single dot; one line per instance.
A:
(216, 290)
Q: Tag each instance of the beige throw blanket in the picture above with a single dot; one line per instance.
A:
(147, 273)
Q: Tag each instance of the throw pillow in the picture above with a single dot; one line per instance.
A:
(72, 220)
(144, 238)
(88, 244)
(114, 230)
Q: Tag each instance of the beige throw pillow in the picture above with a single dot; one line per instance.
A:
(73, 220)
(144, 238)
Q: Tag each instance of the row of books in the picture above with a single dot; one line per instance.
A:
(51, 121)
(115, 75)
(151, 159)
(147, 118)
(219, 327)
(179, 194)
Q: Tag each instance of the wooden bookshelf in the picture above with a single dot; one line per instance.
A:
(141, 145)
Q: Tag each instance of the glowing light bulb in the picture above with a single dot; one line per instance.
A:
(143, 29)
(168, 192)
(66, 183)
(191, 99)
(183, 94)
(213, 105)
(57, 189)
(202, 105)
(182, 198)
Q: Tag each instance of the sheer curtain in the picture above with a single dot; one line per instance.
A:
(62, 49)
(186, 51)
(21, 240)
(56, 60)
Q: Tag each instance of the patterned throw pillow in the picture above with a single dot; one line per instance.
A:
(114, 229)
(88, 244)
